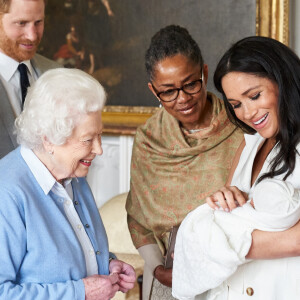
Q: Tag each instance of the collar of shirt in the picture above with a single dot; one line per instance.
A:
(29, 67)
(43, 176)
(10, 78)
(8, 66)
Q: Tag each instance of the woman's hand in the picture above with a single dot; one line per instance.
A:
(228, 198)
(101, 287)
(164, 276)
(125, 273)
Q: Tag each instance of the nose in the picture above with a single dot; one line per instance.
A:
(31, 32)
(249, 111)
(97, 146)
(183, 97)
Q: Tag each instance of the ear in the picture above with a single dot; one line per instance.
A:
(205, 73)
(47, 145)
(150, 86)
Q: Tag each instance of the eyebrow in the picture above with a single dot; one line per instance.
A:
(90, 133)
(245, 92)
(250, 89)
(171, 85)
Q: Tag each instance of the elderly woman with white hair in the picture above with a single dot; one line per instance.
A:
(53, 243)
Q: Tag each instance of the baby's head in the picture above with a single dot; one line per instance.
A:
(274, 195)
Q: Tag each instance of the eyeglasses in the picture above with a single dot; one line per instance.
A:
(190, 88)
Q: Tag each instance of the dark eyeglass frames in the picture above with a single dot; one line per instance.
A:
(190, 88)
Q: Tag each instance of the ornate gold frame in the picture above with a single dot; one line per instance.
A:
(272, 20)
(123, 120)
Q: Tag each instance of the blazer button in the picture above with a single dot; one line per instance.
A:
(249, 291)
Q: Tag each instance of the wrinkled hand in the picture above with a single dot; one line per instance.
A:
(164, 276)
(125, 272)
(228, 198)
(101, 287)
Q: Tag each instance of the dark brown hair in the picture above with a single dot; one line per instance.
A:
(268, 58)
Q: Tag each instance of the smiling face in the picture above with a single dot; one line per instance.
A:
(193, 111)
(21, 29)
(254, 100)
(74, 158)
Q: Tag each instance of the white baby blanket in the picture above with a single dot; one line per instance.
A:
(211, 244)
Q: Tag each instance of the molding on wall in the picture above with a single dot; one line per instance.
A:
(124, 120)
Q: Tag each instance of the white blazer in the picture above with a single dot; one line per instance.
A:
(275, 279)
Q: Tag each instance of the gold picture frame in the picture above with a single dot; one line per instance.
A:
(272, 20)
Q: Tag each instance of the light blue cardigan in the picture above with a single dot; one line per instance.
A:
(40, 255)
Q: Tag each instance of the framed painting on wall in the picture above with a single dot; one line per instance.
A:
(108, 39)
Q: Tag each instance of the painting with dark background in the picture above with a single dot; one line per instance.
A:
(109, 38)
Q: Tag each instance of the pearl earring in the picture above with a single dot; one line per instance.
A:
(51, 152)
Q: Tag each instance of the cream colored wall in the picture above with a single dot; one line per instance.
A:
(295, 25)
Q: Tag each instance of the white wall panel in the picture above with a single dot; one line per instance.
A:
(109, 174)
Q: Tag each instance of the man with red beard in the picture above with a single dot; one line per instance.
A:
(21, 30)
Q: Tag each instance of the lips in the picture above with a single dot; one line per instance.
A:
(261, 122)
(86, 162)
(187, 109)
(29, 45)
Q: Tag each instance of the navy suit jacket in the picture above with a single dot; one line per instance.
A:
(8, 140)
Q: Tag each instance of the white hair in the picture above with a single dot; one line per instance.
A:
(55, 103)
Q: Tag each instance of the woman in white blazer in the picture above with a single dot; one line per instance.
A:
(260, 81)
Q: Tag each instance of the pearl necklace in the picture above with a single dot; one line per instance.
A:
(197, 130)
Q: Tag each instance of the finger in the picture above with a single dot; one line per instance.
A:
(115, 266)
(114, 278)
(229, 198)
(220, 198)
(123, 290)
(240, 196)
(129, 271)
(126, 285)
(115, 288)
(211, 202)
(130, 278)
(125, 266)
